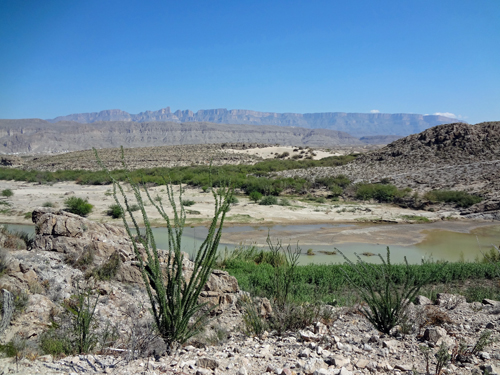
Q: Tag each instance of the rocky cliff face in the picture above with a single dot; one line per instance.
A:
(357, 124)
(39, 136)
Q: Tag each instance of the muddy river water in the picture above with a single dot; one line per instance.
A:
(442, 240)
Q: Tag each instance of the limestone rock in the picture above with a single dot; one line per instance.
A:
(207, 363)
(423, 301)
(449, 301)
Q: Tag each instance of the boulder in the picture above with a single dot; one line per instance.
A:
(67, 233)
(64, 232)
(422, 301)
(449, 301)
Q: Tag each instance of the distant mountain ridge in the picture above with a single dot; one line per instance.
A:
(35, 136)
(356, 124)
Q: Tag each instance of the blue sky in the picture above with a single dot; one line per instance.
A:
(63, 57)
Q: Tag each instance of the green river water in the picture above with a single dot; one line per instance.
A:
(437, 244)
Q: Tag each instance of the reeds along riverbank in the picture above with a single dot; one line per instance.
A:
(328, 284)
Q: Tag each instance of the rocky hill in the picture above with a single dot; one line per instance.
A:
(357, 124)
(454, 156)
(32, 136)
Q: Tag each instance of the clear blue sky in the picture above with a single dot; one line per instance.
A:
(395, 56)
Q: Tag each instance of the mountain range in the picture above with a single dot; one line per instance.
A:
(356, 124)
(112, 128)
(35, 136)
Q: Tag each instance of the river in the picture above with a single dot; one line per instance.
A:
(449, 241)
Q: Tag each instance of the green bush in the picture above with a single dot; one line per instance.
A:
(234, 200)
(81, 308)
(254, 323)
(379, 192)
(284, 202)
(55, 342)
(14, 348)
(48, 204)
(255, 196)
(7, 193)
(187, 202)
(340, 180)
(336, 190)
(268, 200)
(378, 287)
(115, 211)
(460, 198)
(78, 206)
(4, 261)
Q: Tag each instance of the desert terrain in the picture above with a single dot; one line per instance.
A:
(28, 196)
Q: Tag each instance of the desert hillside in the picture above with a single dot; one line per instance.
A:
(453, 156)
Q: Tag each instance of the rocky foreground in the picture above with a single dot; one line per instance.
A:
(341, 341)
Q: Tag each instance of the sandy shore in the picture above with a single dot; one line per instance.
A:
(28, 196)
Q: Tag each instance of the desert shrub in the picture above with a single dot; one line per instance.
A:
(254, 324)
(336, 190)
(385, 181)
(249, 253)
(108, 269)
(77, 330)
(283, 155)
(293, 316)
(3, 261)
(115, 211)
(491, 256)
(174, 300)
(284, 202)
(255, 196)
(340, 180)
(386, 300)
(55, 342)
(379, 192)
(415, 218)
(478, 293)
(187, 202)
(460, 198)
(78, 206)
(268, 200)
(81, 261)
(234, 200)
(14, 348)
(81, 308)
(483, 341)
(7, 193)
(48, 204)
(21, 300)
(16, 239)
